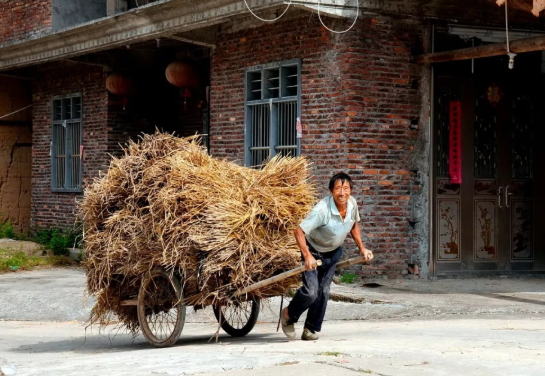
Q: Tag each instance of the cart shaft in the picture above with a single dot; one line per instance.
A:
(294, 272)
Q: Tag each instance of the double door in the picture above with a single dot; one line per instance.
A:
(492, 220)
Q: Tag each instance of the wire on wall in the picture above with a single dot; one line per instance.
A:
(344, 31)
(264, 19)
(14, 112)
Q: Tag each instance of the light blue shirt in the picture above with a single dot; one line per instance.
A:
(324, 227)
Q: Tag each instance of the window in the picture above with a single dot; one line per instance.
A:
(272, 109)
(66, 144)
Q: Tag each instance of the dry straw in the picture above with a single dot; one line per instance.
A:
(167, 203)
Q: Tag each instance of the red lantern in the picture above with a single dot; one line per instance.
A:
(120, 84)
(182, 74)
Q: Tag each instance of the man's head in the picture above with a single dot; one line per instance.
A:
(340, 187)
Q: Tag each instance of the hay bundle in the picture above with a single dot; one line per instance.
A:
(167, 202)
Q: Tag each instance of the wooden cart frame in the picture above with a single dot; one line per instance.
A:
(161, 309)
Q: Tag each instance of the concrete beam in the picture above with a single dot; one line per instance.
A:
(159, 19)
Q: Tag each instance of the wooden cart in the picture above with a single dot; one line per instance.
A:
(161, 309)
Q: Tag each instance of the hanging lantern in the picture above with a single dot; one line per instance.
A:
(120, 84)
(182, 74)
(185, 76)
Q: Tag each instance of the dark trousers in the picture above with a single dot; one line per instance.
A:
(314, 293)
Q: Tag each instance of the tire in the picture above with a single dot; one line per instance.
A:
(161, 313)
(238, 319)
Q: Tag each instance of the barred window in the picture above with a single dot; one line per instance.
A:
(66, 144)
(272, 109)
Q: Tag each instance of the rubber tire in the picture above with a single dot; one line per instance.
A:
(180, 319)
(234, 332)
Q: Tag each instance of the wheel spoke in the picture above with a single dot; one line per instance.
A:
(238, 315)
(162, 307)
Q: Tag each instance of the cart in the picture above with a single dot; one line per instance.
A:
(161, 309)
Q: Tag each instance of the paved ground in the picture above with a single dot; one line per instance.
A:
(59, 295)
(478, 326)
(487, 346)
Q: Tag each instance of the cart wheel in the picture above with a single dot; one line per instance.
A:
(238, 318)
(161, 313)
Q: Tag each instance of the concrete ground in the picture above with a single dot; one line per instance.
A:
(470, 326)
(59, 295)
(486, 346)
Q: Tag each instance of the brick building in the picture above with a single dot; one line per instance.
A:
(366, 106)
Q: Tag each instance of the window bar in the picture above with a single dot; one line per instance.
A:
(286, 126)
(290, 126)
(293, 138)
(254, 134)
(263, 133)
(266, 115)
(255, 115)
(79, 156)
(260, 135)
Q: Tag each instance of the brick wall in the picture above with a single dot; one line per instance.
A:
(359, 95)
(22, 19)
(108, 121)
(51, 209)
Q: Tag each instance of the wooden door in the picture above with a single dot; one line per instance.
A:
(487, 223)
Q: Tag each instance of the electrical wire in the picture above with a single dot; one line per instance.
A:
(344, 31)
(507, 27)
(509, 53)
(14, 112)
(265, 20)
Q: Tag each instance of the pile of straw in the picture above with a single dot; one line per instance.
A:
(167, 203)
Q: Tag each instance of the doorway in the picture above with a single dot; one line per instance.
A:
(493, 220)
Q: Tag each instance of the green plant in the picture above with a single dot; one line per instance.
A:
(348, 278)
(11, 260)
(7, 231)
(58, 244)
(42, 236)
(18, 260)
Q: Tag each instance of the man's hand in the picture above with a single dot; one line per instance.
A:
(367, 254)
(309, 262)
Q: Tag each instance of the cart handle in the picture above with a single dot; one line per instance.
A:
(276, 278)
(293, 272)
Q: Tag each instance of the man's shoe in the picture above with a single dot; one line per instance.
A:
(287, 326)
(309, 336)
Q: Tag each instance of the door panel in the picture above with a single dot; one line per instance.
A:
(488, 222)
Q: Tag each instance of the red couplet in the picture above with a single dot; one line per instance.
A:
(455, 143)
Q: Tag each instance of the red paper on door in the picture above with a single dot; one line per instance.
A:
(455, 144)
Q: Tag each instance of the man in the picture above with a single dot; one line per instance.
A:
(320, 237)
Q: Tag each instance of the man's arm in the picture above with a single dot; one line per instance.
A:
(356, 235)
(302, 244)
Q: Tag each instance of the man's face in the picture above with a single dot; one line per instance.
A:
(341, 192)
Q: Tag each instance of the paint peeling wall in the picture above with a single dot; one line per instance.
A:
(15, 187)
(15, 154)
